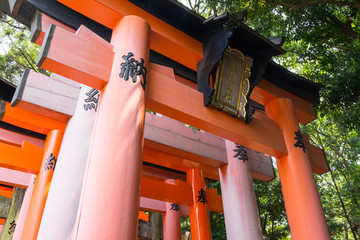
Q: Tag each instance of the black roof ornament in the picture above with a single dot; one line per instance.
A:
(228, 30)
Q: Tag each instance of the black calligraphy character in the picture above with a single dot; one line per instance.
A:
(241, 153)
(50, 162)
(202, 196)
(133, 68)
(12, 227)
(175, 207)
(299, 141)
(141, 70)
(93, 99)
(128, 67)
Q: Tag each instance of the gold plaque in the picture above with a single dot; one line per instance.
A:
(232, 83)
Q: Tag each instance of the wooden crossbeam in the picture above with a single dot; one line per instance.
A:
(165, 39)
(50, 97)
(173, 137)
(28, 120)
(317, 158)
(169, 97)
(153, 205)
(179, 193)
(177, 163)
(265, 92)
(28, 158)
(14, 178)
(17, 139)
(74, 56)
(214, 200)
(40, 23)
(165, 94)
(6, 191)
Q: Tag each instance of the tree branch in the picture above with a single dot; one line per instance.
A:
(304, 4)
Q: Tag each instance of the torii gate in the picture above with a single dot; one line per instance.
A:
(261, 135)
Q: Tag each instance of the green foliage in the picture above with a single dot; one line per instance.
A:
(322, 40)
(16, 50)
(271, 209)
(340, 188)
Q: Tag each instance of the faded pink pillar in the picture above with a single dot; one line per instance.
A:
(110, 199)
(172, 224)
(24, 209)
(242, 218)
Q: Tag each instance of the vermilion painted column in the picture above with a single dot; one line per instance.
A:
(199, 213)
(303, 207)
(242, 218)
(111, 194)
(24, 209)
(172, 224)
(42, 184)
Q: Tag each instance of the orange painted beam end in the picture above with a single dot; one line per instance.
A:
(40, 23)
(28, 158)
(214, 200)
(143, 216)
(75, 57)
(159, 190)
(28, 120)
(6, 191)
(317, 157)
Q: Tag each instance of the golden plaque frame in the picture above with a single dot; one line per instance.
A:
(232, 83)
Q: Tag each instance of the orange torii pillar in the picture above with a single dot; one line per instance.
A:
(172, 224)
(242, 218)
(111, 194)
(24, 209)
(199, 213)
(302, 202)
(42, 184)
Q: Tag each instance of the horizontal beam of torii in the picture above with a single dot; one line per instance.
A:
(46, 96)
(264, 92)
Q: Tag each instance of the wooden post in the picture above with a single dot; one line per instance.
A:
(24, 209)
(4, 207)
(112, 182)
(302, 202)
(199, 214)
(172, 225)
(241, 212)
(65, 190)
(41, 188)
(156, 220)
(11, 220)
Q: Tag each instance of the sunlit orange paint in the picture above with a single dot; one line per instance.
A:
(42, 184)
(199, 213)
(112, 183)
(6, 191)
(29, 120)
(265, 92)
(159, 190)
(303, 207)
(185, 104)
(165, 38)
(143, 216)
